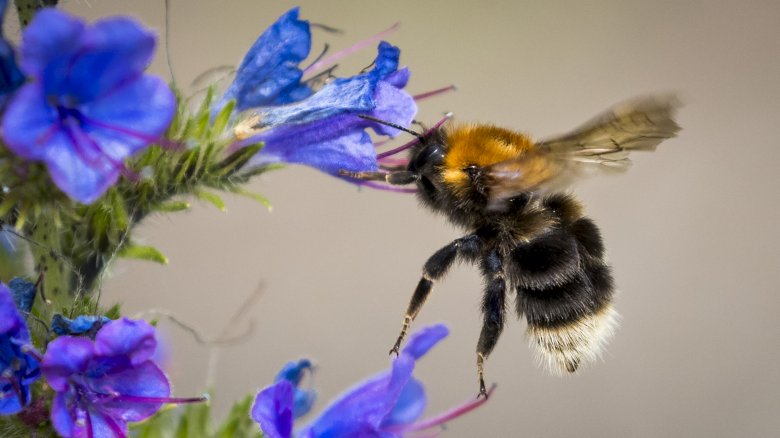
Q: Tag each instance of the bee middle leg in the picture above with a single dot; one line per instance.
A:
(437, 265)
(493, 310)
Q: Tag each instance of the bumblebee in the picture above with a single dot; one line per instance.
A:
(527, 235)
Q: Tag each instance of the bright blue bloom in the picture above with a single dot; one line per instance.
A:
(11, 77)
(318, 129)
(89, 105)
(18, 361)
(23, 292)
(101, 385)
(324, 130)
(81, 325)
(387, 405)
(294, 372)
(269, 73)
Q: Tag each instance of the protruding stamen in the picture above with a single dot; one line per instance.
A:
(332, 59)
(444, 417)
(432, 93)
(154, 400)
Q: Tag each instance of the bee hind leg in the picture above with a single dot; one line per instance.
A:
(437, 265)
(493, 310)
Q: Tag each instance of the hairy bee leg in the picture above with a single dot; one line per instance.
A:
(493, 310)
(437, 265)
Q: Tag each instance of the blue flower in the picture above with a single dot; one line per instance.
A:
(387, 405)
(82, 325)
(318, 128)
(102, 385)
(11, 77)
(18, 361)
(89, 104)
(325, 131)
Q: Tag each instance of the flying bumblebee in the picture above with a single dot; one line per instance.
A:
(526, 234)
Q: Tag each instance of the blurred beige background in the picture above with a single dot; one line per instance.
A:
(691, 230)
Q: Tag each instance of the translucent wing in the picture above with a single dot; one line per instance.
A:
(602, 144)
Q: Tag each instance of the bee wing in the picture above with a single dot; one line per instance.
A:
(602, 144)
(639, 124)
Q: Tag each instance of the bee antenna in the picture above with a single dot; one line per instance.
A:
(393, 125)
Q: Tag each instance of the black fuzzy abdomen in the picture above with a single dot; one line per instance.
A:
(564, 290)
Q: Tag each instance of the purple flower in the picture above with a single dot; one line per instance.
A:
(11, 77)
(89, 104)
(102, 385)
(18, 360)
(387, 405)
(325, 131)
(319, 129)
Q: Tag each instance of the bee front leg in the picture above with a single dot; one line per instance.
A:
(493, 310)
(437, 265)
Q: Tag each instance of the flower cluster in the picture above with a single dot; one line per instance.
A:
(79, 111)
(100, 384)
(386, 405)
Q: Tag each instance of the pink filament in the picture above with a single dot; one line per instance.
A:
(332, 59)
(447, 415)
(432, 93)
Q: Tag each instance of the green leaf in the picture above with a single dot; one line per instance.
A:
(173, 206)
(118, 209)
(237, 159)
(148, 253)
(161, 425)
(238, 422)
(194, 422)
(211, 198)
(252, 195)
(222, 119)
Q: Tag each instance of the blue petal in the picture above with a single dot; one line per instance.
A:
(294, 372)
(386, 61)
(10, 319)
(9, 400)
(125, 337)
(131, 117)
(398, 78)
(63, 419)
(11, 77)
(367, 403)
(409, 407)
(23, 292)
(392, 105)
(269, 73)
(328, 145)
(144, 380)
(337, 97)
(64, 357)
(273, 410)
(48, 45)
(28, 122)
(81, 180)
(77, 326)
(423, 340)
(114, 52)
